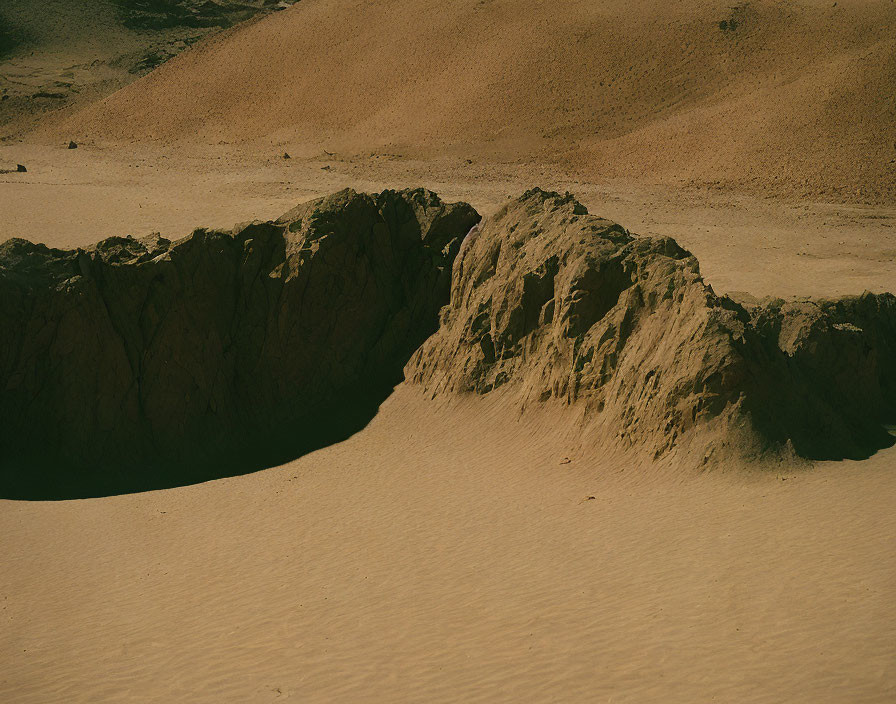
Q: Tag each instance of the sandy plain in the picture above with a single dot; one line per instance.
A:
(447, 553)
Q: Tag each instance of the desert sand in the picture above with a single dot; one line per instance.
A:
(450, 556)
(794, 247)
(462, 546)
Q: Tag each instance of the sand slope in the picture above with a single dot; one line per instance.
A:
(789, 98)
(552, 304)
(447, 556)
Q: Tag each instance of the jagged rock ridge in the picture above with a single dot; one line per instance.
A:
(141, 363)
(144, 363)
(553, 303)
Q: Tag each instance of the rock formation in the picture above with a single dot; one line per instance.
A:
(147, 363)
(555, 304)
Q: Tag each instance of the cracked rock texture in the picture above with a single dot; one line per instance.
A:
(552, 303)
(222, 347)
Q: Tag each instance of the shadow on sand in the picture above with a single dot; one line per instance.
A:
(58, 478)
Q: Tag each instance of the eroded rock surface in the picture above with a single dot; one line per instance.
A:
(141, 363)
(145, 363)
(553, 303)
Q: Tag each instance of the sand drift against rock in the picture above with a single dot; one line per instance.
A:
(144, 363)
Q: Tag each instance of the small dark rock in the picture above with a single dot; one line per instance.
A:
(20, 168)
(286, 155)
(72, 145)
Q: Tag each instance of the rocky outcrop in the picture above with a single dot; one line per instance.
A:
(8, 39)
(834, 386)
(137, 364)
(552, 303)
(146, 363)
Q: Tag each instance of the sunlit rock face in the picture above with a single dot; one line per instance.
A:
(550, 303)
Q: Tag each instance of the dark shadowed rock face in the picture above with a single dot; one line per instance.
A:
(835, 381)
(553, 303)
(147, 363)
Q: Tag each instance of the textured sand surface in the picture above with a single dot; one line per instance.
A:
(453, 556)
(792, 98)
(448, 555)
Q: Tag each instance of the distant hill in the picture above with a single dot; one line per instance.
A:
(54, 53)
(789, 98)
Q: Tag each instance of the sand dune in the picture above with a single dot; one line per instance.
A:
(448, 555)
(785, 98)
